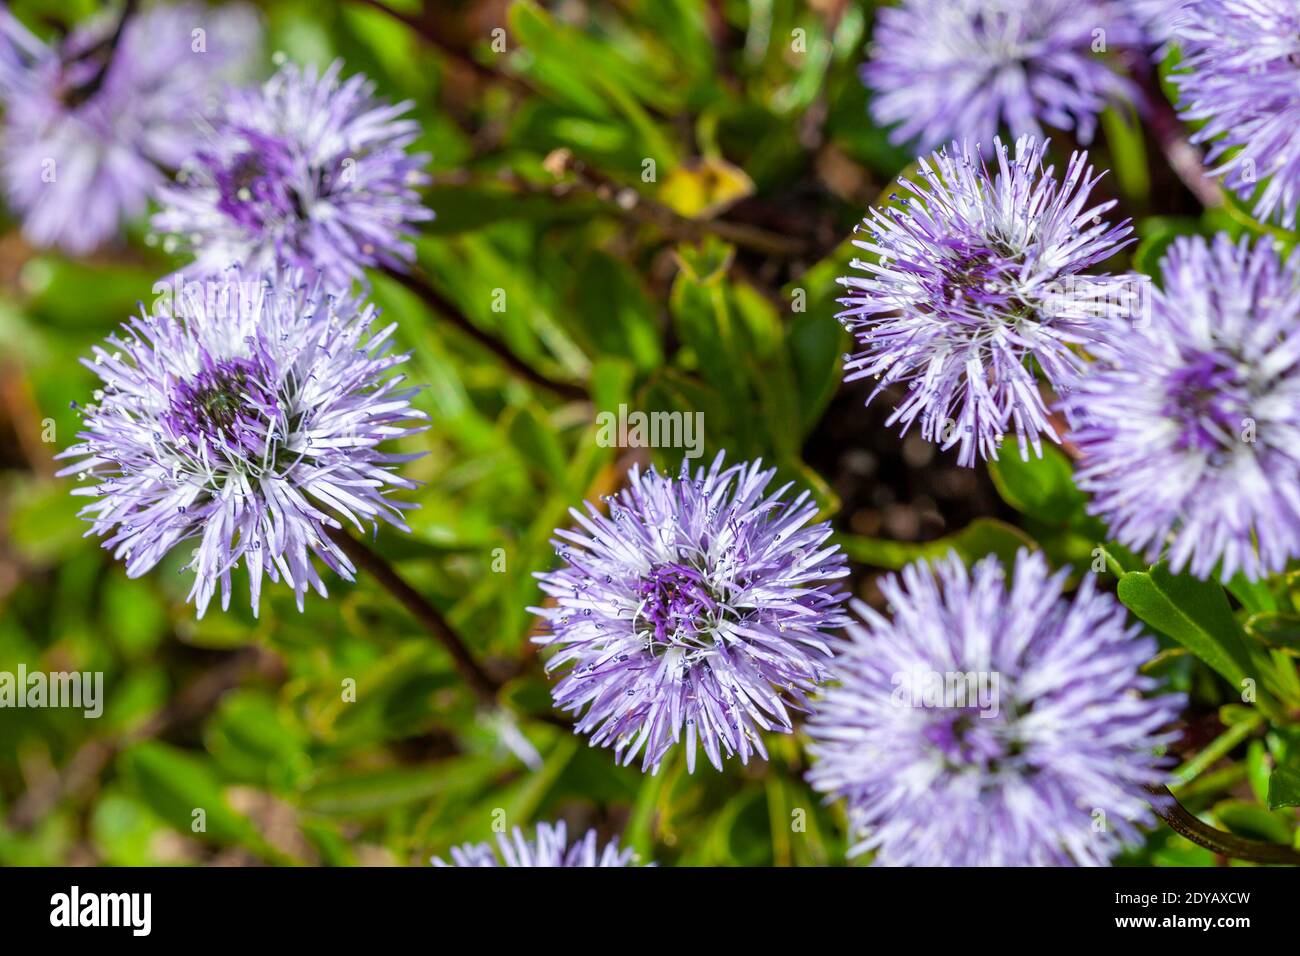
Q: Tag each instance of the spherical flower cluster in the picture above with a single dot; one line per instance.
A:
(306, 170)
(991, 725)
(92, 121)
(976, 272)
(243, 417)
(698, 606)
(1190, 437)
(549, 848)
(964, 69)
(1240, 77)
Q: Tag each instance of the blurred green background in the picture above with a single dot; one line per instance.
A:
(648, 197)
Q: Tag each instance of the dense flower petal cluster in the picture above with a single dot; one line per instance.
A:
(965, 69)
(243, 416)
(87, 139)
(307, 170)
(1240, 76)
(549, 848)
(991, 723)
(975, 273)
(1190, 436)
(699, 606)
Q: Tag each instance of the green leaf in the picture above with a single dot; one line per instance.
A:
(1042, 488)
(765, 359)
(133, 614)
(706, 263)
(1275, 630)
(1255, 596)
(175, 784)
(1157, 234)
(1249, 820)
(815, 349)
(981, 537)
(639, 832)
(253, 741)
(43, 522)
(706, 324)
(1120, 559)
(1284, 788)
(125, 831)
(533, 435)
(611, 382)
(595, 78)
(1128, 151)
(611, 313)
(369, 793)
(58, 287)
(1193, 612)
(465, 208)
(1258, 769)
(550, 58)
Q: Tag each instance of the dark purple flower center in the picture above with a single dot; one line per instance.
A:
(82, 71)
(228, 404)
(1209, 397)
(974, 276)
(967, 740)
(676, 606)
(256, 186)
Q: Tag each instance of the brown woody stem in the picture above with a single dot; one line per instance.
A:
(450, 313)
(1183, 822)
(430, 617)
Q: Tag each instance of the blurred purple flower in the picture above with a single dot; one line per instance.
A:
(550, 848)
(991, 726)
(949, 70)
(244, 417)
(1162, 20)
(84, 141)
(307, 170)
(1240, 75)
(1190, 436)
(977, 272)
(699, 603)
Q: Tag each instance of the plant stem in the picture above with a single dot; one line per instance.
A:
(1220, 747)
(626, 202)
(424, 612)
(1183, 158)
(108, 49)
(444, 307)
(1183, 822)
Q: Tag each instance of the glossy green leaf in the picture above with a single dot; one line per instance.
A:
(1284, 788)
(1042, 488)
(1255, 822)
(1193, 612)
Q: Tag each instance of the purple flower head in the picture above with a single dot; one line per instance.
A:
(245, 417)
(949, 70)
(699, 604)
(550, 848)
(987, 725)
(1190, 436)
(308, 170)
(1240, 75)
(975, 273)
(85, 140)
